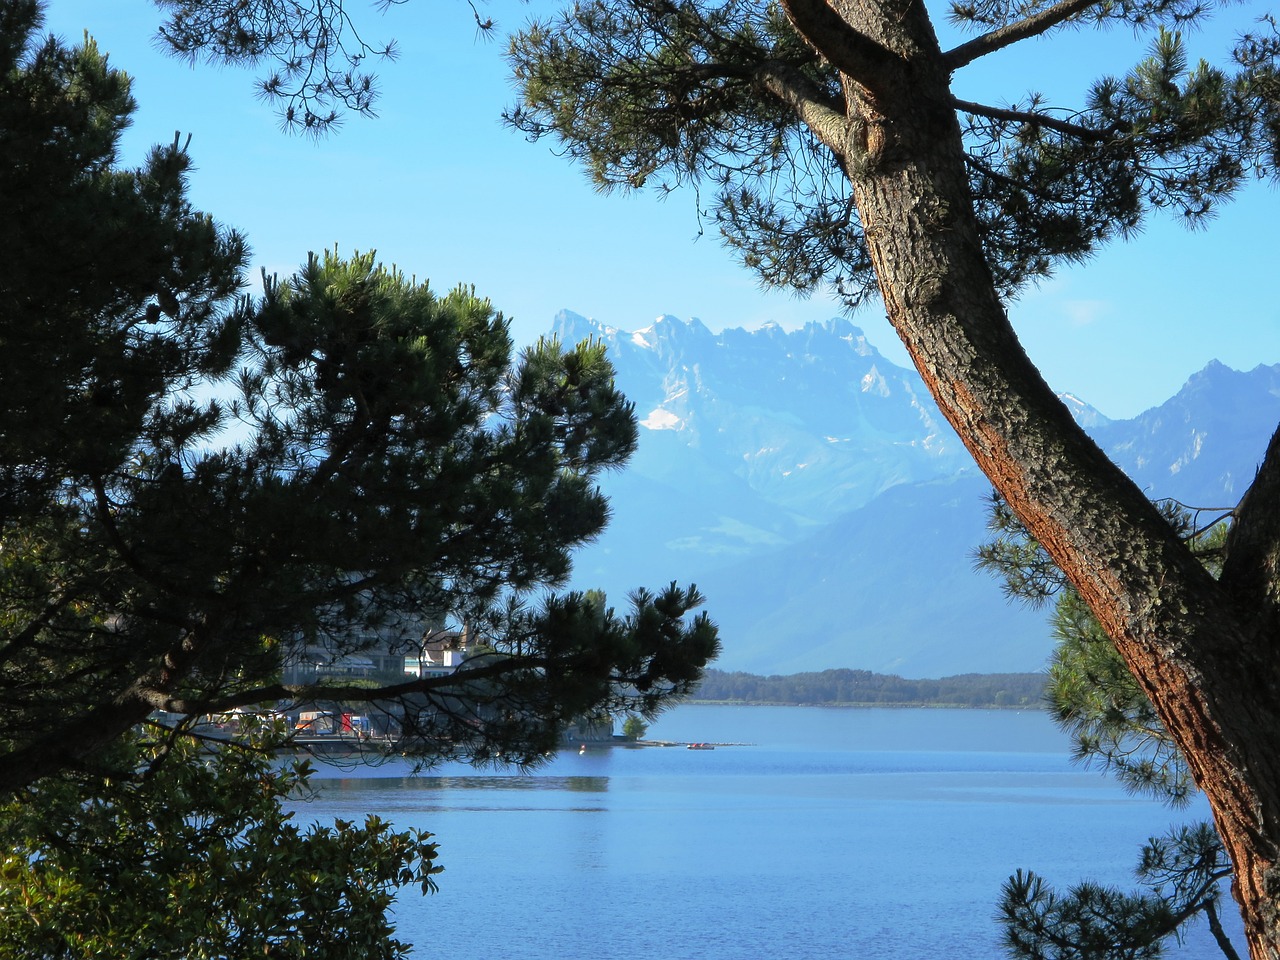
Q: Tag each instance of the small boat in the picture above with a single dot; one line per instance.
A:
(701, 746)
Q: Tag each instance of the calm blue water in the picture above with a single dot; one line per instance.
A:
(830, 833)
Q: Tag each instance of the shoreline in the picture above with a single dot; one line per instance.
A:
(863, 705)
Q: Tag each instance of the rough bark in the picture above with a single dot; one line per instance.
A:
(1202, 650)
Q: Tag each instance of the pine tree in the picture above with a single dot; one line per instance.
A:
(839, 154)
(833, 147)
(197, 488)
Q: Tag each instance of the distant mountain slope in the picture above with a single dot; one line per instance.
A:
(1202, 445)
(813, 491)
(889, 587)
(815, 420)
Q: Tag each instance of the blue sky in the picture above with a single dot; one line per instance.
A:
(437, 186)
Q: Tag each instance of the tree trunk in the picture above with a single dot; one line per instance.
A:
(1202, 650)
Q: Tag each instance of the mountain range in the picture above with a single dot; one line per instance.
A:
(817, 497)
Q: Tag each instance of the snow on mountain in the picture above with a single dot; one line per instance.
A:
(814, 492)
(814, 420)
(1085, 415)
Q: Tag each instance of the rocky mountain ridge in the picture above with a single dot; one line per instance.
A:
(813, 491)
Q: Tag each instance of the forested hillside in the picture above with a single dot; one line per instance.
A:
(855, 687)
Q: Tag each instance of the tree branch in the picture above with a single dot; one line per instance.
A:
(123, 549)
(1220, 935)
(819, 111)
(159, 699)
(66, 746)
(1011, 33)
(1038, 119)
(850, 51)
(84, 735)
(27, 635)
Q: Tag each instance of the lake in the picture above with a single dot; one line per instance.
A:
(823, 833)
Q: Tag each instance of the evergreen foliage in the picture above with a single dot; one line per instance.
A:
(650, 92)
(633, 728)
(315, 46)
(199, 490)
(828, 144)
(660, 94)
(1094, 698)
(393, 467)
(115, 289)
(195, 855)
(1182, 872)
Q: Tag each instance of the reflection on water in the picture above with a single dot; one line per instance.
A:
(472, 782)
(836, 834)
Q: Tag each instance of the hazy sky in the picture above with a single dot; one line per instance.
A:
(438, 186)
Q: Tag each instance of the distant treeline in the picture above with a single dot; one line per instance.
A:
(864, 687)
